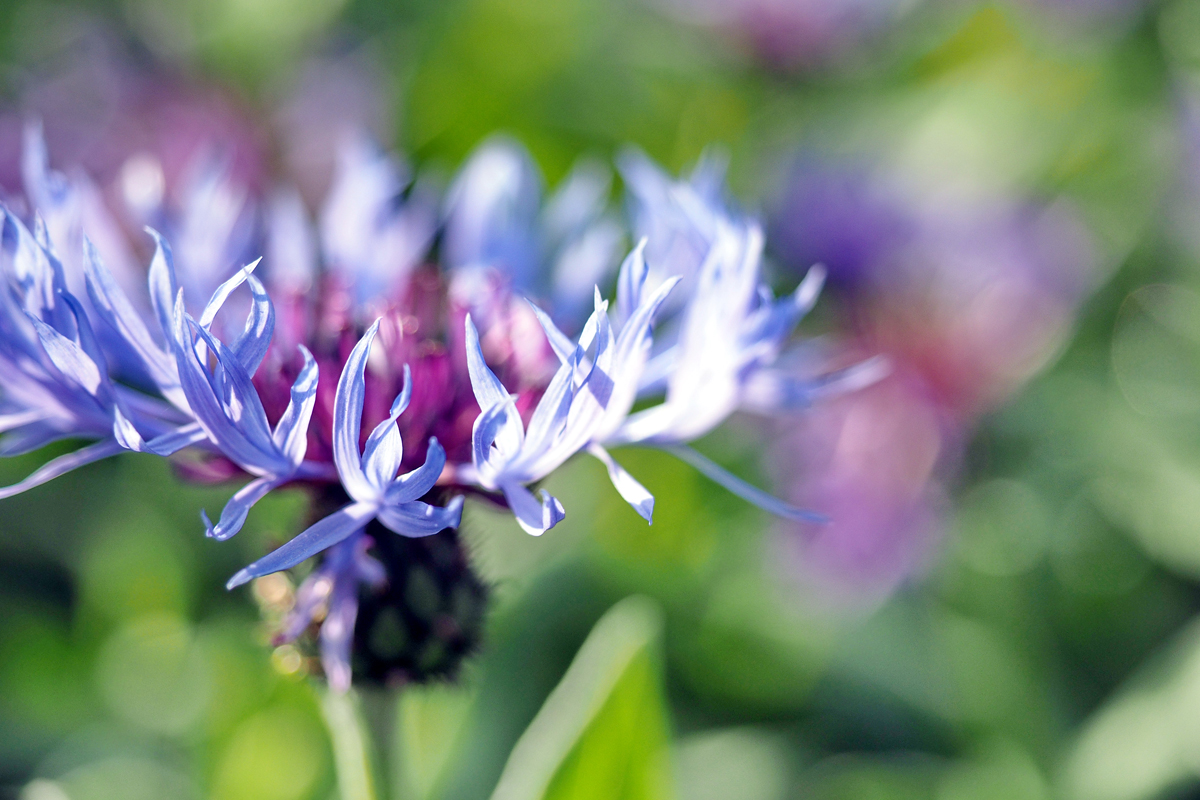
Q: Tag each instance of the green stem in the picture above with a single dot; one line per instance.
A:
(351, 745)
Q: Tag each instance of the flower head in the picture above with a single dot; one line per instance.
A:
(348, 329)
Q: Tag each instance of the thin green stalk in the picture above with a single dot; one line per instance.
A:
(352, 746)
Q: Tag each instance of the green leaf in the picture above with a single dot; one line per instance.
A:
(603, 731)
(430, 721)
(1143, 742)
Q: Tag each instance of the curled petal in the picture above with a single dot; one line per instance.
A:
(125, 433)
(490, 392)
(385, 449)
(533, 516)
(222, 294)
(230, 411)
(484, 431)
(414, 484)
(291, 433)
(347, 416)
(164, 286)
(421, 519)
(626, 485)
(233, 516)
(251, 346)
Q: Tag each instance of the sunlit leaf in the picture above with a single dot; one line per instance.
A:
(1144, 740)
(1156, 350)
(602, 733)
(429, 725)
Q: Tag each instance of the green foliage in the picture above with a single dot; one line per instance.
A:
(602, 733)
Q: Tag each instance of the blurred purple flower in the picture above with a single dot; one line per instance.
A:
(966, 298)
(791, 34)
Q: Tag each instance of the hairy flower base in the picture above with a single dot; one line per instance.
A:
(427, 618)
(386, 609)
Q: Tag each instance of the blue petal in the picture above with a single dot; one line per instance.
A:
(337, 633)
(70, 359)
(82, 329)
(318, 537)
(492, 210)
(114, 308)
(630, 281)
(490, 392)
(19, 419)
(487, 387)
(46, 188)
(626, 485)
(742, 489)
(247, 439)
(382, 454)
(630, 358)
(64, 464)
(347, 417)
(560, 343)
(243, 407)
(486, 428)
(222, 293)
(550, 416)
(291, 433)
(421, 519)
(124, 431)
(31, 437)
(533, 516)
(414, 484)
(385, 449)
(162, 283)
(251, 346)
(400, 404)
(176, 440)
(233, 516)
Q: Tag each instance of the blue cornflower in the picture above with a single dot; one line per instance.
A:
(252, 404)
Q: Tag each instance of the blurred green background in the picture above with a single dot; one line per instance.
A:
(1046, 646)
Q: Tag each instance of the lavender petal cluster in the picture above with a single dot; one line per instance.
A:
(512, 379)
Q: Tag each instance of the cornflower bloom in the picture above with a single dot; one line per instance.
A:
(408, 318)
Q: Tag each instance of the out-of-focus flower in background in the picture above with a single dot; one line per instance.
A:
(791, 34)
(967, 294)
